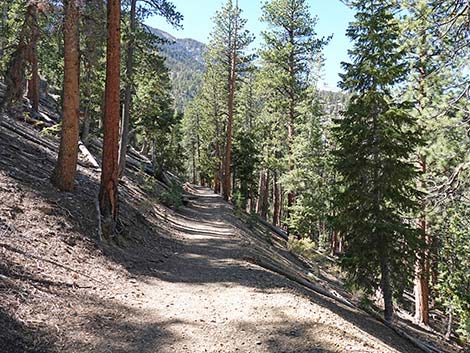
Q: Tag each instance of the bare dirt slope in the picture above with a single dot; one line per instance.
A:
(185, 281)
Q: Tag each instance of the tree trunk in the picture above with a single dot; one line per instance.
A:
(108, 196)
(64, 173)
(259, 202)
(217, 164)
(86, 126)
(263, 194)
(336, 244)
(216, 181)
(290, 128)
(231, 98)
(33, 84)
(193, 169)
(276, 201)
(127, 91)
(422, 267)
(386, 288)
(198, 149)
(290, 123)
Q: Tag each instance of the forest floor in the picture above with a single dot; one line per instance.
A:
(173, 281)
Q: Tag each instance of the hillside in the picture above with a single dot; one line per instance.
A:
(184, 58)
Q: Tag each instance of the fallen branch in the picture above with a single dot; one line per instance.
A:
(421, 345)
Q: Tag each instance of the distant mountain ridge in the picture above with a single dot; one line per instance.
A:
(184, 58)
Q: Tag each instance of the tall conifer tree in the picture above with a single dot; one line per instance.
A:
(226, 60)
(375, 141)
(290, 45)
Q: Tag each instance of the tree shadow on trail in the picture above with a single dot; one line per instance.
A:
(87, 322)
(15, 337)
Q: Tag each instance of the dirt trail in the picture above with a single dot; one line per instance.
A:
(206, 298)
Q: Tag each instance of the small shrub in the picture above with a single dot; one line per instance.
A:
(303, 246)
(173, 197)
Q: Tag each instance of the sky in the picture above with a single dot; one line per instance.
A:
(333, 19)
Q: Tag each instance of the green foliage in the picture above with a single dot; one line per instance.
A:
(290, 51)
(205, 120)
(11, 18)
(453, 287)
(376, 138)
(439, 71)
(312, 177)
(53, 130)
(173, 197)
(303, 246)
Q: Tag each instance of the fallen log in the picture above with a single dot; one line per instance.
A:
(172, 176)
(420, 344)
(283, 234)
(19, 130)
(89, 157)
(23, 132)
(139, 166)
(135, 154)
(302, 281)
(139, 163)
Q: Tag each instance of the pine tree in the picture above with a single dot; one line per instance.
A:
(312, 176)
(376, 138)
(226, 58)
(434, 72)
(192, 140)
(290, 45)
(246, 141)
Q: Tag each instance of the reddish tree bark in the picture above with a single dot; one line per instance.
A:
(263, 194)
(127, 91)
(336, 244)
(276, 201)
(292, 113)
(108, 195)
(422, 267)
(64, 173)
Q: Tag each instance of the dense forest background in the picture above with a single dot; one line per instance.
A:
(376, 174)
